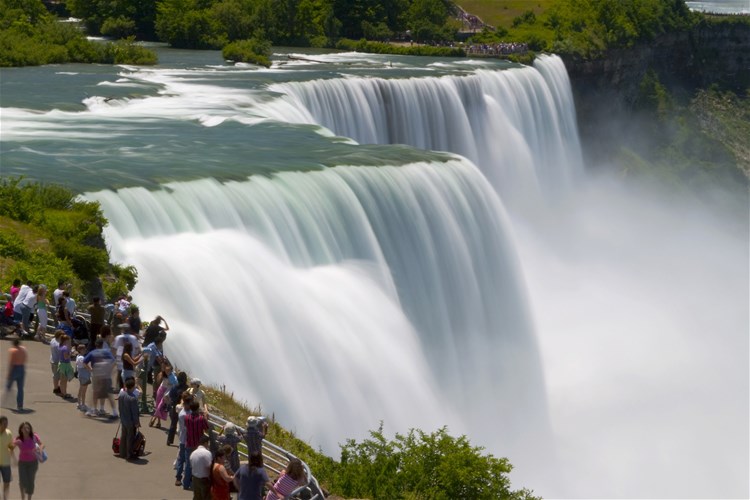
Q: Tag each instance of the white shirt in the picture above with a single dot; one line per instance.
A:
(119, 345)
(57, 294)
(54, 350)
(71, 306)
(25, 290)
(30, 299)
(200, 462)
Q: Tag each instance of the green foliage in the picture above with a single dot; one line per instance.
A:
(527, 17)
(252, 51)
(54, 235)
(420, 465)
(118, 27)
(120, 280)
(29, 35)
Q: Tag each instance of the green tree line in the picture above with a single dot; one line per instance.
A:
(30, 36)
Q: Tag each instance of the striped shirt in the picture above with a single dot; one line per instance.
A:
(195, 425)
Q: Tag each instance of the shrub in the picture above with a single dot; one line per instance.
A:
(254, 51)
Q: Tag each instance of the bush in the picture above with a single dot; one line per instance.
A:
(253, 51)
(387, 48)
(118, 27)
(421, 465)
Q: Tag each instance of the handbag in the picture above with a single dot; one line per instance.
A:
(116, 442)
(41, 454)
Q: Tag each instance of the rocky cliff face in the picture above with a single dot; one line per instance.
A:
(606, 89)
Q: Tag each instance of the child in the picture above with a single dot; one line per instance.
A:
(84, 377)
(65, 369)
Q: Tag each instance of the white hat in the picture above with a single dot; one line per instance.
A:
(195, 381)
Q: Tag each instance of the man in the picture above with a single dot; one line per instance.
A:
(119, 347)
(183, 461)
(100, 362)
(21, 313)
(175, 396)
(195, 425)
(54, 360)
(70, 304)
(129, 419)
(17, 370)
(28, 306)
(58, 291)
(200, 463)
(6, 438)
(97, 312)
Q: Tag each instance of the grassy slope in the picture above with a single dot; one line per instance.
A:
(502, 12)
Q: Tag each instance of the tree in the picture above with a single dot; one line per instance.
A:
(423, 465)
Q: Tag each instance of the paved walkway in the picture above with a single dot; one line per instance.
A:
(81, 464)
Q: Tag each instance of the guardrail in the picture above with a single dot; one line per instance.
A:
(275, 458)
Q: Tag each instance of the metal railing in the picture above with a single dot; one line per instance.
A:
(275, 458)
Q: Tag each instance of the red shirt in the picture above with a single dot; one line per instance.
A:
(195, 425)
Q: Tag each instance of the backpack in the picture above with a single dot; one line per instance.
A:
(139, 445)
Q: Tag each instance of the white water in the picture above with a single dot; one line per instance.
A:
(395, 293)
(517, 125)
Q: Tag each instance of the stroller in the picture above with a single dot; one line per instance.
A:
(80, 329)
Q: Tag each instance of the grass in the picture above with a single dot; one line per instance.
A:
(502, 12)
(224, 404)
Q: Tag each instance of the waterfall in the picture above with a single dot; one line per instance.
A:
(345, 296)
(518, 125)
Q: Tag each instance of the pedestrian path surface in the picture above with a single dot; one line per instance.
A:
(81, 464)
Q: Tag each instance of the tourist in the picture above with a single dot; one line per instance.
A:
(127, 403)
(64, 368)
(27, 442)
(41, 314)
(21, 313)
(6, 441)
(100, 361)
(175, 395)
(134, 320)
(17, 370)
(290, 479)
(200, 465)
(70, 304)
(195, 426)
(251, 478)
(97, 312)
(119, 347)
(220, 477)
(58, 291)
(155, 332)
(182, 461)
(107, 339)
(54, 360)
(230, 436)
(28, 306)
(123, 306)
(128, 361)
(256, 430)
(84, 377)
(166, 379)
(64, 321)
(198, 394)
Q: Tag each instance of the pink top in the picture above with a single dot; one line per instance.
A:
(26, 448)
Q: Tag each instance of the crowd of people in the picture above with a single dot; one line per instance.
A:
(120, 359)
(496, 49)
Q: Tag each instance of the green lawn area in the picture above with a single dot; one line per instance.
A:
(502, 12)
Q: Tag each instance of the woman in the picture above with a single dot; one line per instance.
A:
(251, 478)
(231, 437)
(26, 443)
(168, 380)
(65, 369)
(220, 478)
(41, 313)
(290, 479)
(128, 361)
(64, 322)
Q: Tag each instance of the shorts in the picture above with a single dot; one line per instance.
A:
(55, 370)
(66, 370)
(84, 377)
(5, 473)
(102, 386)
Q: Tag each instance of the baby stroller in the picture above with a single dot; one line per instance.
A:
(80, 329)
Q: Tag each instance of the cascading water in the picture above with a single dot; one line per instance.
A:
(422, 247)
(336, 295)
(517, 125)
